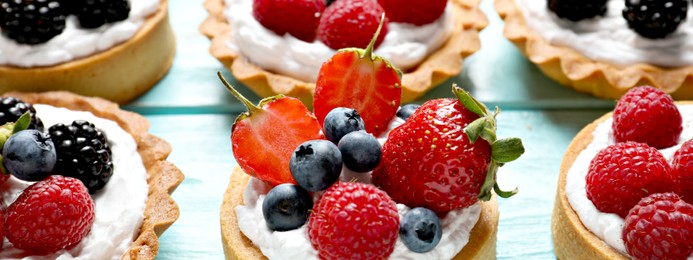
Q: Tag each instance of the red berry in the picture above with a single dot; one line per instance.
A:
(417, 12)
(299, 18)
(682, 167)
(354, 221)
(351, 23)
(659, 227)
(647, 115)
(50, 215)
(621, 174)
(430, 162)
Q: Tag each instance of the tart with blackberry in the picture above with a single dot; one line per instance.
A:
(623, 190)
(85, 180)
(605, 47)
(115, 49)
(277, 47)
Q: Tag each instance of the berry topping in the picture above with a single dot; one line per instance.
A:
(351, 23)
(299, 18)
(576, 10)
(682, 167)
(621, 174)
(315, 165)
(264, 138)
(655, 18)
(286, 207)
(647, 115)
(83, 153)
(417, 12)
(360, 80)
(445, 156)
(659, 227)
(361, 152)
(95, 13)
(407, 110)
(11, 109)
(341, 121)
(354, 221)
(29, 155)
(420, 230)
(50, 215)
(31, 21)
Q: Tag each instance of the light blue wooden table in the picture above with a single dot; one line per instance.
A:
(191, 110)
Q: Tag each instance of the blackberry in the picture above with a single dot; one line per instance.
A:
(83, 153)
(31, 21)
(12, 108)
(95, 13)
(655, 19)
(576, 10)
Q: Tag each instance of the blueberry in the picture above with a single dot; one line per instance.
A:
(407, 110)
(29, 155)
(316, 164)
(361, 151)
(286, 207)
(341, 121)
(420, 230)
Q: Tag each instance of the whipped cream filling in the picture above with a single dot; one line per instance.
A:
(405, 45)
(295, 244)
(76, 42)
(608, 226)
(608, 38)
(119, 206)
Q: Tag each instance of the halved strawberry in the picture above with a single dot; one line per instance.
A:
(356, 78)
(264, 138)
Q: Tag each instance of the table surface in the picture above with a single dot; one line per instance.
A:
(190, 109)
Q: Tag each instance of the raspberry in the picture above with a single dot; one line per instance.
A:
(576, 10)
(647, 115)
(351, 23)
(682, 167)
(354, 221)
(299, 18)
(655, 19)
(621, 174)
(417, 12)
(659, 227)
(31, 21)
(95, 13)
(50, 215)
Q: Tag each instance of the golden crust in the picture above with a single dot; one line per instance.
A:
(119, 74)
(573, 69)
(482, 242)
(436, 68)
(162, 176)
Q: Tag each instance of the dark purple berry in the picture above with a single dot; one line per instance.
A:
(655, 18)
(95, 13)
(361, 151)
(576, 10)
(286, 207)
(315, 165)
(29, 155)
(407, 110)
(31, 21)
(341, 121)
(12, 108)
(420, 230)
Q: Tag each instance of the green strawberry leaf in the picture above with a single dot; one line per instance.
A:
(22, 123)
(504, 194)
(469, 102)
(3, 170)
(489, 131)
(507, 150)
(474, 129)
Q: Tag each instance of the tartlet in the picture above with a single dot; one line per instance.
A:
(481, 245)
(434, 69)
(162, 176)
(119, 74)
(571, 68)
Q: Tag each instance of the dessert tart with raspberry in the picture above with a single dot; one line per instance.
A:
(605, 47)
(111, 49)
(426, 39)
(620, 170)
(123, 191)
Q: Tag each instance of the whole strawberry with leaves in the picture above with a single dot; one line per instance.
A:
(445, 156)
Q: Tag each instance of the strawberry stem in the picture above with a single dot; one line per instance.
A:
(249, 105)
(369, 50)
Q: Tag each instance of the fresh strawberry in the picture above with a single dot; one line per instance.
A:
(299, 18)
(351, 23)
(682, 167)
(647, 115)
(354, 221)
(264, 138)
(622, 174)
(417, 12)
(660, 226)
(50, 215)
(445, 156)
(358, 79)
